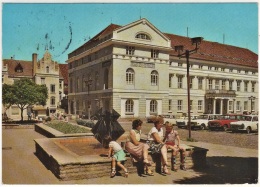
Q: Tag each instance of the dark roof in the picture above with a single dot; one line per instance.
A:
(64, 72)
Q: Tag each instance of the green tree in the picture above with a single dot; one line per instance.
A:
(23, 93)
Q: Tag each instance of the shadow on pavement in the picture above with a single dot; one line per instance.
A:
(226, 170)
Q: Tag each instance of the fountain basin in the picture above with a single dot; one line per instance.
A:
(76, 157)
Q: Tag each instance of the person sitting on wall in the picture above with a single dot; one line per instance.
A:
(170, 137)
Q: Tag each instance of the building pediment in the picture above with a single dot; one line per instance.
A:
(142, 31)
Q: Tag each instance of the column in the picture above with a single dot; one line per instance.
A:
(234, 105)
(221, 106)
(214, 106)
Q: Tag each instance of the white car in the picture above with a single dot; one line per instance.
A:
(170, 118)
(183, 123)
(248, 123)
(202, 121)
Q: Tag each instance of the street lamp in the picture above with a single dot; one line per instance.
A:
(197, 41)
(88, 83)
(251, 98)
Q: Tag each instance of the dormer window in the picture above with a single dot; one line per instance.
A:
(19, 68)
(143, 36)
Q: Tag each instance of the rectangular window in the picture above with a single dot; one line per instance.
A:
(78, 84)
(200, 66)
(230, 70)
(191, 104)
(253, 87)
(253, 106)
(200, 83)
(52, 88)
(42, 81)
(191, 79)
(245, 86)
(230, 105)
(170, 105)
(200, 105)
(179, 82)
(209, 68)
(223, 85)
(238, 106)
(217, 84)
(179, 106)
(130, 50)
(210, 84)
(245, 105)
(222, 69)
(154, 53)
(238, 85)
(60, 84)
(52, 101)
(180, 64)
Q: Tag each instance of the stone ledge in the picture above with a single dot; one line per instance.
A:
(53, 133)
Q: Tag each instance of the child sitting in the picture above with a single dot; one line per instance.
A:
(118, 155)
(169, 139)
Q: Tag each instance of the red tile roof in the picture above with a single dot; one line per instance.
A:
(27, 69)
(217, 52)
(211, 51)
(64, 72)
(26, 65)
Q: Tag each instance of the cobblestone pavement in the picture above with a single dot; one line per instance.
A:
(226, 164)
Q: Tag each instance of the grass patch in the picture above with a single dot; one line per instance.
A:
(66, 128)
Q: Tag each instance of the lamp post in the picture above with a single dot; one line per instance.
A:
(88, 83)
(251, 98)
(179, 48)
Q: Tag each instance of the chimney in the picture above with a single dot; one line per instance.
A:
(34, 61)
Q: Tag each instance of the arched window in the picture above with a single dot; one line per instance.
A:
(154, 78)
(130, 76)
(129, 105)
(153, 106)
(143, 36)
(47, 69)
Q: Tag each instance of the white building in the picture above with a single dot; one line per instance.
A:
(135, 70)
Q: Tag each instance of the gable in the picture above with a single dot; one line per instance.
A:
(142, 32)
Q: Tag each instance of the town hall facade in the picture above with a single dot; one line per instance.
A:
(135, 70)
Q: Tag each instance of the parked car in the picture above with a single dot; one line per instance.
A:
(202, 121)
(248, 123)
(183, 123)
(170, 118)
(223, 121)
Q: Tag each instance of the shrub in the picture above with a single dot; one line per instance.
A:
(87, 123)
(48, 119)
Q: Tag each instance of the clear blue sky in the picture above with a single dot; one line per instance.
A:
(28, 28)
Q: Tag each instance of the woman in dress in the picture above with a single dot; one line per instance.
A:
(137, 149)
